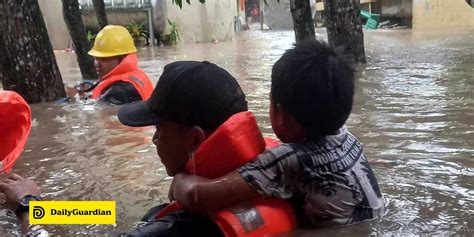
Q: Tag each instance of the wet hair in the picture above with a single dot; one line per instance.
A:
(315, 84)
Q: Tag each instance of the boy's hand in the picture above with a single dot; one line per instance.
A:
(15, 187)
(183, 188)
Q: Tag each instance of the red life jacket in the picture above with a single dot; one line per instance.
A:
(15, 124)
(233, 144)
(126, 71)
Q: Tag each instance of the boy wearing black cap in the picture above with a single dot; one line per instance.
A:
(320, 168)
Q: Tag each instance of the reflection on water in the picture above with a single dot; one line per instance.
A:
(414, 103)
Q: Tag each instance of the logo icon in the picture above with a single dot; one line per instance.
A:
(38, 212)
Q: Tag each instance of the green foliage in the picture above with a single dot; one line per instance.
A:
(92, 31)
(91, 36)
(180, 2)
(137, 31)
(174, 34)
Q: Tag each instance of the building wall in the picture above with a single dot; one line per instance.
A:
(53, 17)
(198, 22)
(278, 15)
(396, 8)
(442, 14)
(211, 21)
(115, 17)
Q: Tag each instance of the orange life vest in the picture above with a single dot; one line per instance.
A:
(126, 71)
(15, 124)
(233, 144)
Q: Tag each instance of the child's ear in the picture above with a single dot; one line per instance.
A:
(199, 135)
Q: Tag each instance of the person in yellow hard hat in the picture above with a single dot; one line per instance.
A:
(120, 79)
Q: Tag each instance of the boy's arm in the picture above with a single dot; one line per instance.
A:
(199, 194)
(272, 173)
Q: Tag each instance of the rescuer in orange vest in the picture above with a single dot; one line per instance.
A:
(203, 126)
(120, 79)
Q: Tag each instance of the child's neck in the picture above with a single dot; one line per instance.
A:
(293, 137)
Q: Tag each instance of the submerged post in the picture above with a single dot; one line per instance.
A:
(150, 26)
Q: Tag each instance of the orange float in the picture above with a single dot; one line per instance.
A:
(15, 124)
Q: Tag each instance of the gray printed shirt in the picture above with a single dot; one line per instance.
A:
(328, 181)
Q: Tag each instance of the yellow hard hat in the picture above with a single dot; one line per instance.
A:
(112, 41)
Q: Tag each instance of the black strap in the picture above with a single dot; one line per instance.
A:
(78, 87)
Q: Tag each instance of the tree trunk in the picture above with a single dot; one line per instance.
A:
(303, 22)
(72, 17)
(28, 64)
(99, 8)
(344, 27)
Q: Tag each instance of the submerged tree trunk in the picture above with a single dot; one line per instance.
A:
(344, 27)
(27, 65)
(303, 22)
(99, 8)
(72, 17)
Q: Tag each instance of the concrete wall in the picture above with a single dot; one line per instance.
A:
(53, 17)
(442, 14)
(198, 22)
(396, 8)
(211, 21)
(116, 17)
(278, 15)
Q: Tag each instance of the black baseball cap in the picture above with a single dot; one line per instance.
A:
(191, 93)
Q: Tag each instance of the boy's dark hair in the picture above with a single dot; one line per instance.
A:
(315, 84)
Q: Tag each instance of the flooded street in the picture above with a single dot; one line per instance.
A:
(414, 104)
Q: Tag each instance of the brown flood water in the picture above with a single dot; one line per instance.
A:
(414, 104)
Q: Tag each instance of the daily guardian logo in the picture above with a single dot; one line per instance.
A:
(77, 212)
(38, 212)
(72, 212)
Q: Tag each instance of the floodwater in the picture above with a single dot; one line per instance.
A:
(414, 104)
